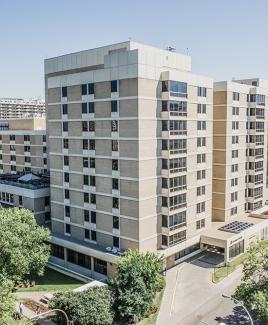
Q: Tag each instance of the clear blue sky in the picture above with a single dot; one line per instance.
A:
(225, 38)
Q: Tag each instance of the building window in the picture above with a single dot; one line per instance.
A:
(115, 184)
(66, 177)
(200, 190)
(91, 126)
(84, 126)
(113, 86)
(200, 207)
(114, 106)
(64, 109)
(66, 161)
(114, 145)
(93, 235)
(200, 224)
(176, 88)
(84, 108)
(65, 143)
(100, 266)
(92, 181)
(91, 89)
(234, 196)
(67, 194)
(114, 126)
(65, 126)
(92, 163)
(235, 111)
(12, 137)
(67, 228)
(234, 153)
(26, 138)
(235, 139)
(201, 125)
(201, 142)
(91, 107)
(201, 108)
(86, 180)
(26, 148)
(115, 241)
(201, 158)
(84, 89)
(57, 251)
(20, 200)
(93, 217)
(92, 145)
(115, 222)
(64, 92)
(201, 174)
(67, 211)
(86, 215)
(236, 96)
(115, 203)
(202, 92)
(234, 182)
(86, 198)
(114, 164)
(92, 198)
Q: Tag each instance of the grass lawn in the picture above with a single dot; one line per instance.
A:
(151, 320)
(53, 281)
(224, 271)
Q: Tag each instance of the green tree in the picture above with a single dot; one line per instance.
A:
(7, 301)
(90, 307)
(24, 245)
(253, 291)
(135, 285)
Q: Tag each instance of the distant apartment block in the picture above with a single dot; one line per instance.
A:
(130, 153)
(23, 145)
(17, 108)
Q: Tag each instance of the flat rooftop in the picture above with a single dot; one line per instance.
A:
(26, 180)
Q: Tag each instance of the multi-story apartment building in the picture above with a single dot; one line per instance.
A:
(239, 166)
(130, 151)
(240, 147)
(19, 108)
(27, 191)
(23, 145)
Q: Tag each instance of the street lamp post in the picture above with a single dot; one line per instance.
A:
(239, 303)
(68, 322)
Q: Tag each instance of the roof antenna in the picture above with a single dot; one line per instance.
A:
(187, 51)
(170, 48)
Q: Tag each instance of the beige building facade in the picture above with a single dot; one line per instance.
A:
(23, 145)
(130, 151)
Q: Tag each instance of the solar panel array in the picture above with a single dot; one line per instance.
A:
(236, 226)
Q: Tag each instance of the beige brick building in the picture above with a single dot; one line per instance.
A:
(130, 150)
(21, 108)
(23, 145)
(130, 142)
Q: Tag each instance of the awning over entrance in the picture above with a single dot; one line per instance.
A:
(236, 234)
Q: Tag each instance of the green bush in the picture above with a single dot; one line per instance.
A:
(90, 307)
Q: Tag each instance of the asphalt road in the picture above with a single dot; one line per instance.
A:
(190, 296)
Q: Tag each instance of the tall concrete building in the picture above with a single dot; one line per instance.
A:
(19, 108)
(23, 145)
(130, 149)
(239, 216)
(240, 147)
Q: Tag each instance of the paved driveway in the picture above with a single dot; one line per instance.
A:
(190, 295)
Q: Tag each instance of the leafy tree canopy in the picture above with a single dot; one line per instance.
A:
(138, 278)
(253, 291)
(24, 245)
(91, 307)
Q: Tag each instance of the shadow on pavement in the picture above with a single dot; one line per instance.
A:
(238, 317)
